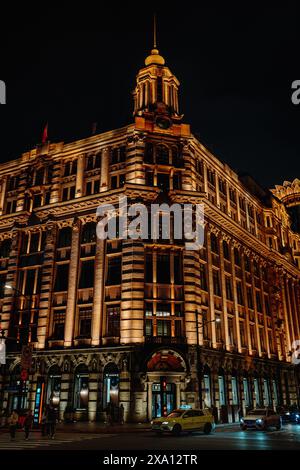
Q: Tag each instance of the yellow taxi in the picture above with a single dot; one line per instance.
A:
(184, 420)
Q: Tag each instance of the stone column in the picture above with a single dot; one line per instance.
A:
(217, 190)
(55, 187)
(187, 180)
(72, 285)
(104, 176)
(191, 280)
(80, 177)
(66, 386)
(93, 393)
(124, 388)
(132, 297)
(99, 280)
(135, 158)
(46, 284)
(224, 297)
(211, 287)
(235, 299)
(3, 186)
(21, 190)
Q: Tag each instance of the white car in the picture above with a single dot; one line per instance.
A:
(261, 418)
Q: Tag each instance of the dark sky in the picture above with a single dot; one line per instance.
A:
(235, 66)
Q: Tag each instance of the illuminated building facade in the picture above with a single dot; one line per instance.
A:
(147, 324)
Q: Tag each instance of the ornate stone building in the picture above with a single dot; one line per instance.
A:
(146, 323)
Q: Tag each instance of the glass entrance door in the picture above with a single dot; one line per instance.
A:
(163, 398)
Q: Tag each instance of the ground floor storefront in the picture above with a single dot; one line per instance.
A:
(145, 382)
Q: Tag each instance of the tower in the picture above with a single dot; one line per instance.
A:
(156, 92)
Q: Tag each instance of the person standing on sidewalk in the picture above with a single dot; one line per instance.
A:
(12, 423)
(28, 424)
(51, 422)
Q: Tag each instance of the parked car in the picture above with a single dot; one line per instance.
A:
(262, 419)
(184, 420)
(290, 414)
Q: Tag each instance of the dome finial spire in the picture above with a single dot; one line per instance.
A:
(154, 58)
(154, 32)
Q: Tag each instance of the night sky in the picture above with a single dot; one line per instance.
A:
(235, 66)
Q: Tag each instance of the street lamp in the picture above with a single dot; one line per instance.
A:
(199, 377)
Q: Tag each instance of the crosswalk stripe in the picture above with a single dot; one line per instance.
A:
(5, 444)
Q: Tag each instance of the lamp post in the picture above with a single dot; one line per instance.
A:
(199, 376)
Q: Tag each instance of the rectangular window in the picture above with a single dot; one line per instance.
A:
(114, 271)
(163, 181)
(249, 297)
(163, 310)
(86, 274)
(163, 328)
(113, 320)
(163, 271)
(149, 178)
(62, 277)
(231, 331)
(239, 292)
(216, 283)
(148, 328)
(242, 334)
(149, 268)
(177, 269)
(229, 295)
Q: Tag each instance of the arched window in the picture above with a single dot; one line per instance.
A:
(53, 386)
(110, 385)
(81, 387)
(162, 155)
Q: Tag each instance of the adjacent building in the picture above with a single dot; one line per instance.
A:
(146, 323)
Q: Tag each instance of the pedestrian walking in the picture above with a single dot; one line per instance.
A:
(51, 422)
(121, 414)
(28, 424)
(12, 424)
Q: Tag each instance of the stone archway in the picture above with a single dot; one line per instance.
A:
(166, 373)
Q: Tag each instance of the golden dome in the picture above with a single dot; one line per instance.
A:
(154, 58)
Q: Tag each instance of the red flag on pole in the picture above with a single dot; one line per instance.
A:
(45, 134)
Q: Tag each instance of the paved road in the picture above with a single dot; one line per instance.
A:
(226, 439)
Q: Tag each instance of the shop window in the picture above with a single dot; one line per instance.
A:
(81, 391)
(110, 386)
(222, 395)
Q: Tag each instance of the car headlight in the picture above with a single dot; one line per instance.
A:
(241, 420)
(151, 422)
(259, 421)
(297, 416)
(165, 422)
(288, 414)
